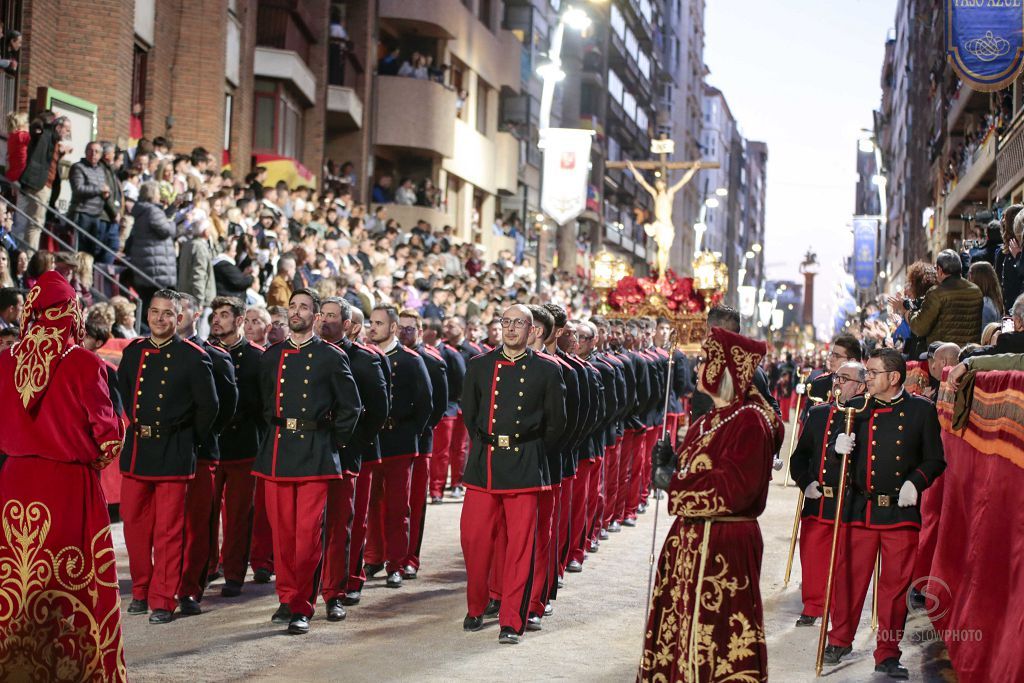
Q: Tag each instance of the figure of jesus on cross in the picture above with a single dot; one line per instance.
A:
(662, 229)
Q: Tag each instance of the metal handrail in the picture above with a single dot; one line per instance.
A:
(78, 230)
(105, 276)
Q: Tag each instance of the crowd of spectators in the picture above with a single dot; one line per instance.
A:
(162, 218)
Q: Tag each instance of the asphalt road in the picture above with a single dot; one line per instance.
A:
(415, 633)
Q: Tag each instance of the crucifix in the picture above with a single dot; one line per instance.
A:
(662, 229)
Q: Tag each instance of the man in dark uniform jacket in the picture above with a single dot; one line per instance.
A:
(345, 522)
(682, 378)
(606, 335)
(636, 429)
(814, 466)
(234, 484)
(898, 454)
(455, 371)
(845, 348)
(515, 413)
(657, 370)
(171, 402)
(387, 524)
(455, 336)
(200, 511)
(312, 405)
(410, 331)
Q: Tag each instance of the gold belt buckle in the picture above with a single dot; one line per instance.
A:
(827, 491)
(503, 441)
(145, 431)
(291, 423)
(883, 501)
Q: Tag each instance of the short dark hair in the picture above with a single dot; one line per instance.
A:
(311, 294)
(662, 320)
(346, 307)
(599, 320)
(9, 297)
(97, 329)
(169, 295)
(434, 325)
(277, 310)
(543, 317)
(726, 317)
(391, 312)
(236, 305)
(847, 342)
(558, 314)
(948, 261)
(191, 300)
(892, 361)
(13, 332)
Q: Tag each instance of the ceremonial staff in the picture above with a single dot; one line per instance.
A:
(796, 423)
(664, 431)
(800, 496)
(850, 412)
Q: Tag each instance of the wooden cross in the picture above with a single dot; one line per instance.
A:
(663, 147)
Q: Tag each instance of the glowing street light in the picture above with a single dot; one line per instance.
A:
(722, 192)
(711, 202)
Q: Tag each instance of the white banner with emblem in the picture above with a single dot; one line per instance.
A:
(566, 171)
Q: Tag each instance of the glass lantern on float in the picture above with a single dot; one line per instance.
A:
(608, 270)
(710, 275)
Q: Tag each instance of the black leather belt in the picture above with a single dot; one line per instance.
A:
(882, 500)
(509, 440)
(158, 431)
(294, 424)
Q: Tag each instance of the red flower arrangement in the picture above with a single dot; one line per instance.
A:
(678, 294)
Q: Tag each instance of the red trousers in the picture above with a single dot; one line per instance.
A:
(494, 576)
(458, 450)
(595, 500)
(578, 522)
(639, 474)
(441, 455)
(356, 575)
(481, 513)
(262, 549)
(296, 512)
(200, 522)
(565, 496)
(672, 427)
(337, 532)
(154, 535)
(611, 482)
(233, 490)
(417, 510)
(632, 443)
(931, 512)
(815, 548)
(855, 563)
(543, 577)
(387, 522)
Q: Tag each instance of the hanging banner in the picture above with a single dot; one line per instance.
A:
(566, 172)
(985, 41)
(865, 241)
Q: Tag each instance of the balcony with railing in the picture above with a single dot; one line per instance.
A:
(417, 114)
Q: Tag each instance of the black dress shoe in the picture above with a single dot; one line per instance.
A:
(893, 668)
(629, 521)
(410, 572)
(548, 610)
(436, 500)
(493, 607)
(138, 607)
(508, 636)
(189, 606)
(282, 616)
(615, 527)
(533, 622)
(561, 582)
(806, 620)
(261, 575)
(834, 653)
(372, 570)
(394, 580)
(215, 575)
(574, 567)
(602, 535)
(231, 589)
(352, 598)
(471, 623)
(299, 625)
(161, 616)
(917, 599)
(335, 610)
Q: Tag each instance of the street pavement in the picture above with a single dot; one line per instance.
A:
(414, 633)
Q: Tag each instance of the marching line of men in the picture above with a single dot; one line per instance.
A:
(895, 452)
(314, 460)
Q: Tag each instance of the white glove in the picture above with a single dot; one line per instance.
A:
(777, 463)
(800, 389)
(908, 495)
(845, 443)
(813, 491)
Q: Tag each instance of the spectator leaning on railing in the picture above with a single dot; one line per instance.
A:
(950, 311)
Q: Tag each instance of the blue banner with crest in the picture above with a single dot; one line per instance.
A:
(985, 41)
(865, 250)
